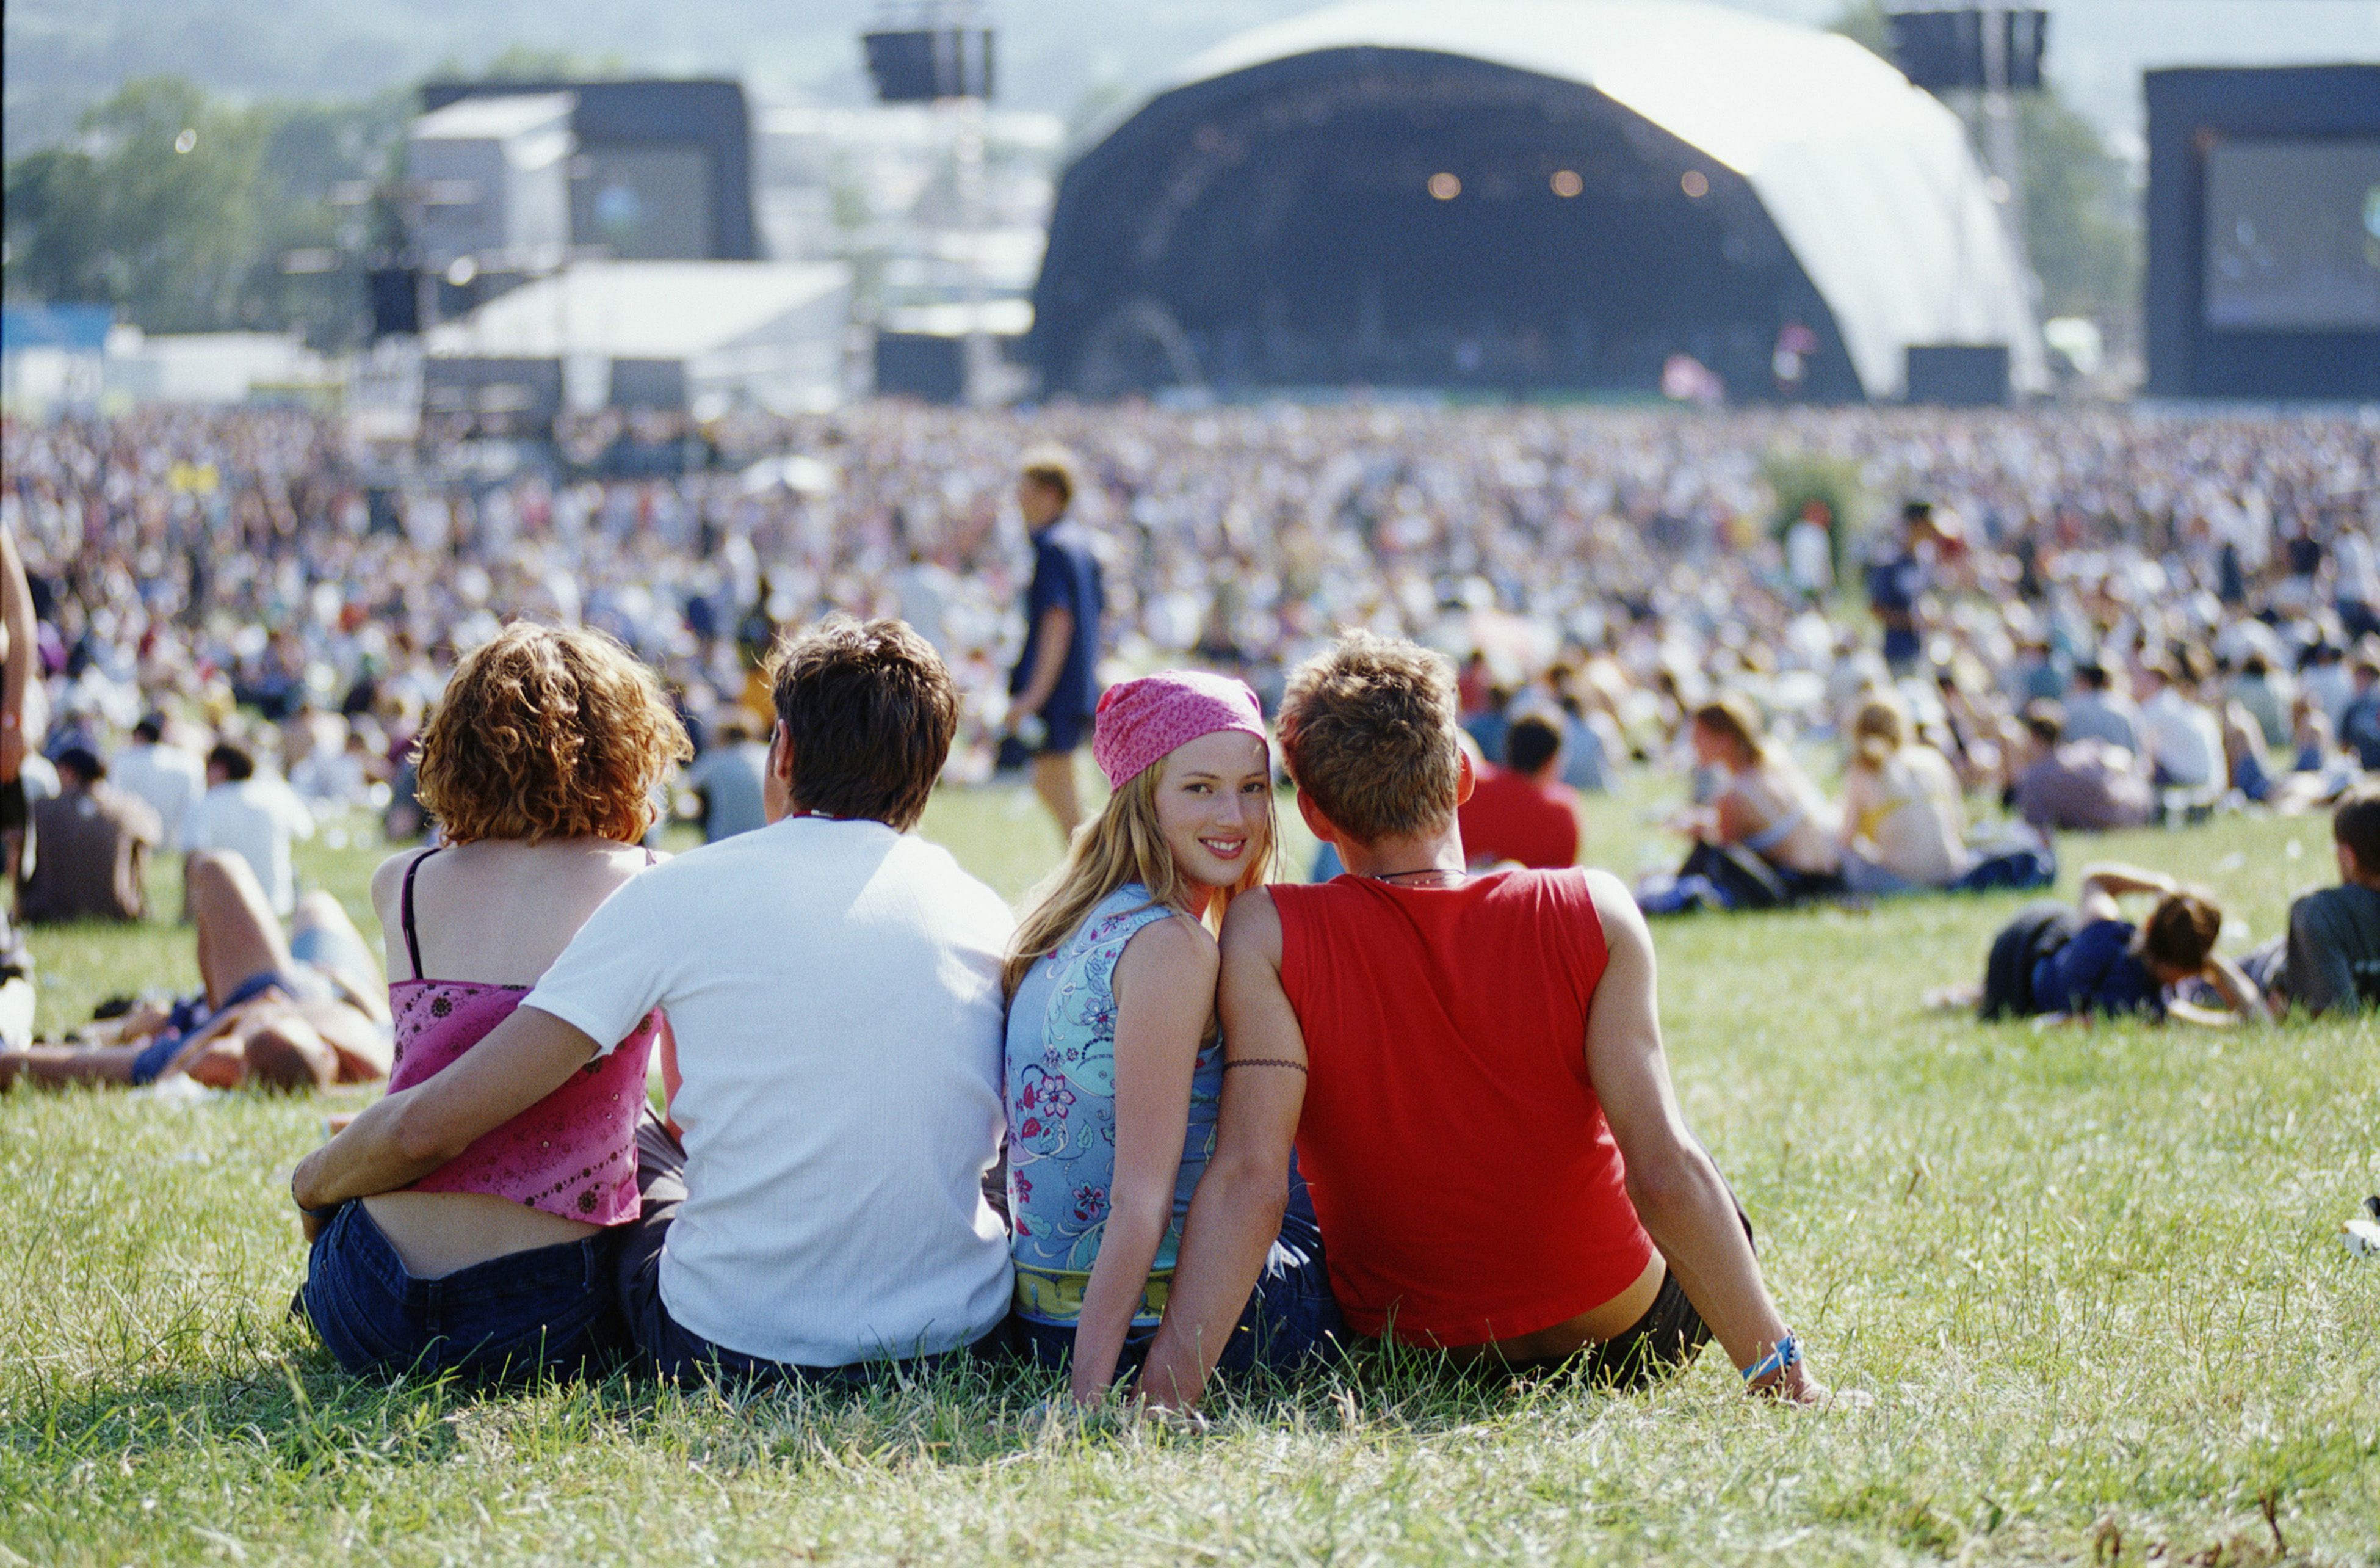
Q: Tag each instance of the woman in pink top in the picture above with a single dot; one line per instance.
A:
(539, 767)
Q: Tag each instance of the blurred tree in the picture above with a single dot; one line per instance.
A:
(154, 207)
(2081, 207)
(526, 62)
(192, 215)
(1796, 478)
(2081, 217)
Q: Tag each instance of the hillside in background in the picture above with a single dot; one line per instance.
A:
(63, 55)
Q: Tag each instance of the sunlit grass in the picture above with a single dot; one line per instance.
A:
(2092, 1277)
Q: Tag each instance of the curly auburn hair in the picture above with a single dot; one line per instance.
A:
(547, 732)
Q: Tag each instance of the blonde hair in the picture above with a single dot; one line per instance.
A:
(1369, 731)
(1881, 729)
(1123, 843)
(1055, 469)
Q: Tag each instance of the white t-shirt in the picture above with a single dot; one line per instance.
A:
(2183, 740)
(167, 777)
(834, 988)
(256, 818)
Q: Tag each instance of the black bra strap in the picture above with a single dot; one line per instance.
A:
(405, 910)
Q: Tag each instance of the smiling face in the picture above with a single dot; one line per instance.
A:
(1214, 799)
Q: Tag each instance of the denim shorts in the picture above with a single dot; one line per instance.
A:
(193, 1015)
(548, 1309)
(1290, 1321)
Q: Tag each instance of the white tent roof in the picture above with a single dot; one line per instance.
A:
(1869, 179)
(637, 310)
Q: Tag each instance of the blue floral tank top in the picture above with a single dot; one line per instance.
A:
(1062, 1116)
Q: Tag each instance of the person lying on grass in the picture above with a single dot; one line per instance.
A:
(832, 985)
(1114, 1068)
(2328, 961)
(2086, 959)
(1470, 1070)
(540, 766)
(298, 1010)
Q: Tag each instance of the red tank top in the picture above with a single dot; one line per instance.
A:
(1466, 1179)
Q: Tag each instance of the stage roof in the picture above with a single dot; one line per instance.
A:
(1869, 179)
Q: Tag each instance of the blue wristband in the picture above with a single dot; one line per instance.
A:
(1787, 1354)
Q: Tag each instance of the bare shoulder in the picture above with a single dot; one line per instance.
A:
(1624, 932)
(1253, 924)
(389, 878)
(1170, 964)
(1176, 941)
(1614, 905)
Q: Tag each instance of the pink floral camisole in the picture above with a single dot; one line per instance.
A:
(572, 1154)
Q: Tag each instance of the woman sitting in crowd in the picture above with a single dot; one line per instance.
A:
(1903, 821)
(1114, 1067)
(539, 767)
(1762, 804)
(2053, 959)
(296, 1012)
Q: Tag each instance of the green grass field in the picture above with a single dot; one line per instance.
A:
(2092, 1277)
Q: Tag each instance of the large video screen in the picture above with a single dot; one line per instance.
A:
(2293, 234)
(648, 204)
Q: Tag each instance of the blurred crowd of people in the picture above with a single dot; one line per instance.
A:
(2100, 617)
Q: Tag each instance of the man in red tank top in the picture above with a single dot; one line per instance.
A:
(1470, 1070)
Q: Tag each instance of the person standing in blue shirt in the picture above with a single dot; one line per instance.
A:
(1054, 690)
(1895, 583)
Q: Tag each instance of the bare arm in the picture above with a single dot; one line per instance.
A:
(1165, 999)
(404, 1136)
(1860, 793)
(1678, 1192)
(2107, 880)
(1052, 640)
(1236, 1214)
(22, 651)
(2240, 995)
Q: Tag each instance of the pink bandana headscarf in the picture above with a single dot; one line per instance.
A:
(1142, 720)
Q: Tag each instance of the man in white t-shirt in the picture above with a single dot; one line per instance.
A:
(2184, 741)
(254, 816)
(167, 777)
(834, 985)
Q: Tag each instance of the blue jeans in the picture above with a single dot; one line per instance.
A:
(1292, 1318)
(548, 1309)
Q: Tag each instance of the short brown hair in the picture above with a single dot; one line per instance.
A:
(1368, 731)
(2356, 824)
(871, 710)
(548, 731)
(2182, 931)
(1052, 468)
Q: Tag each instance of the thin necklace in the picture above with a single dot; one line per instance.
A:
(1424, 871)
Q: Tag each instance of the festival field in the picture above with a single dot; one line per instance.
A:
(2092, 1276)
